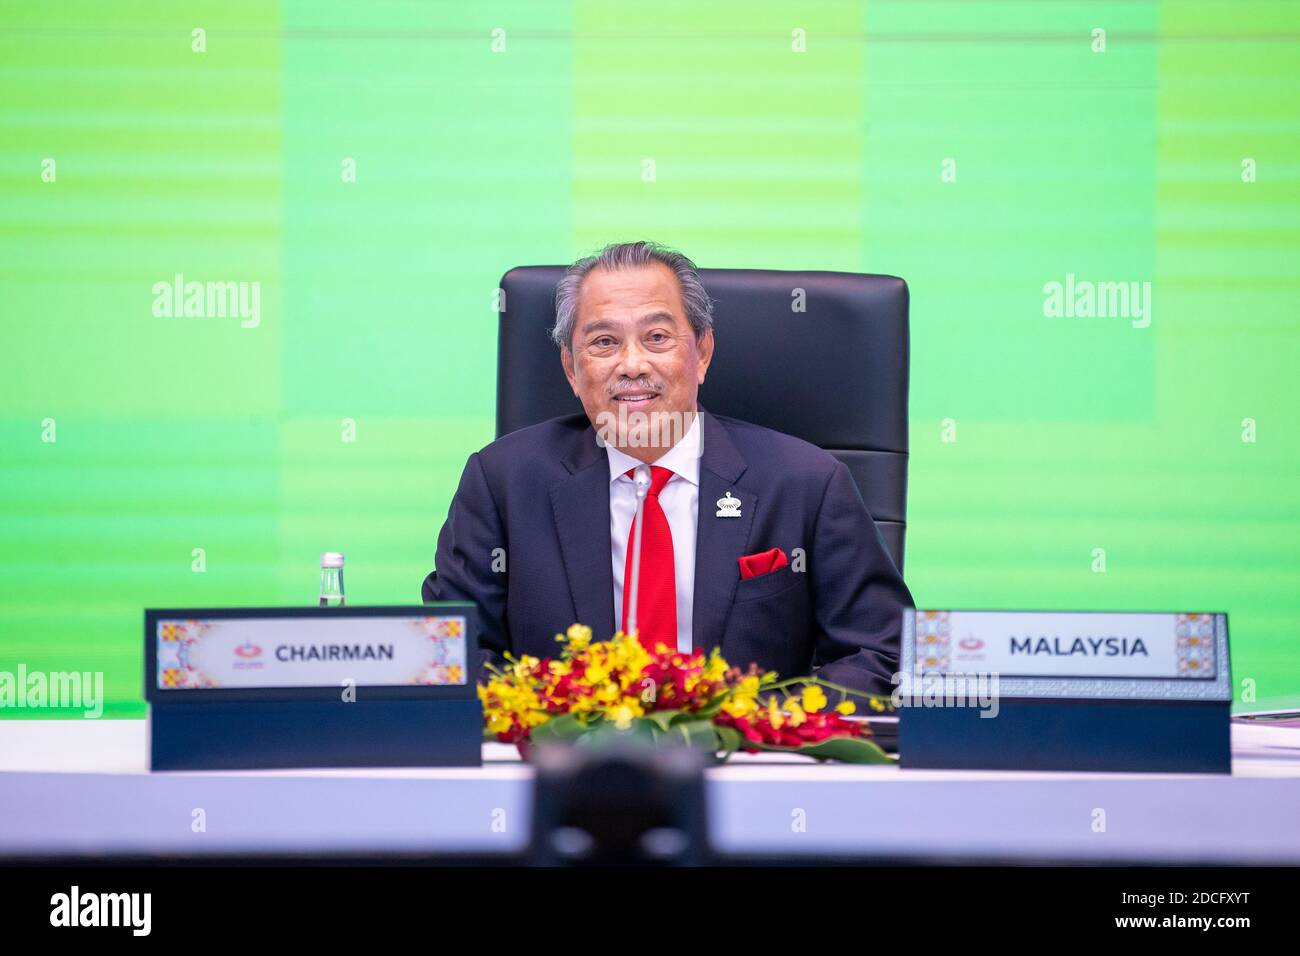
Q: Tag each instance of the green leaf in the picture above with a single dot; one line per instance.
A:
(662, 718)
(729, 739)
(712, 707)
(857, 750)
(689, 729)
(700, 734)
(606, 732)
(562, 728)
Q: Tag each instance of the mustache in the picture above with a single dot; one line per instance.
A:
(625, 387)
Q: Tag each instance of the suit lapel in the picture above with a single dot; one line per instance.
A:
(581, 506)
(718, 541)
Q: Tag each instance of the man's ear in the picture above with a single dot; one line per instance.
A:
(704, 347)
(566, 359)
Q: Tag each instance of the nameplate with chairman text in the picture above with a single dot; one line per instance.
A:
(320, 650)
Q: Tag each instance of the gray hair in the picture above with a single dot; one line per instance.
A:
(630, 255)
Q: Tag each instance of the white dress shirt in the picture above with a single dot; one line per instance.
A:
(680, 499)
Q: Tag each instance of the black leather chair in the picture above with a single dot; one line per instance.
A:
(834, 375)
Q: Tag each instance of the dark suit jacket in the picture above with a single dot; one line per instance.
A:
(542, 495)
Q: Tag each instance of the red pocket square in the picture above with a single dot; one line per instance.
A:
(764, 562)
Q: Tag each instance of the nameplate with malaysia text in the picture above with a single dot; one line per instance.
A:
(1059, 653)
(1065, 690)
(254, 688)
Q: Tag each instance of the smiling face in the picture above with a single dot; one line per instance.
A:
(633, 350)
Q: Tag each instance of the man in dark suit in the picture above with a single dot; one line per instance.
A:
(752, 540)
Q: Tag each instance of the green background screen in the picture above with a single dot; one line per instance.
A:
(980, 150)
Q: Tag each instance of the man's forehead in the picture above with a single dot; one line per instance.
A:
(640, 290)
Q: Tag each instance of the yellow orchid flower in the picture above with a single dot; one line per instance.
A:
(621, 716)
(774, 715)
(795, 713)
(814, 699)
(740, 707)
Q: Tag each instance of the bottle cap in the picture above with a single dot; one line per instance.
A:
(331, 559)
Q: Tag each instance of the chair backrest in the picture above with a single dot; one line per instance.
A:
(822, 356)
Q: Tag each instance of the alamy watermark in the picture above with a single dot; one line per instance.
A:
(179, 299)
(974, 689)
(637, 429)
(38, 690)
(76, 908)
(1085, 299)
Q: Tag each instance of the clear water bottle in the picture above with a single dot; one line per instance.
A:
(331, 579)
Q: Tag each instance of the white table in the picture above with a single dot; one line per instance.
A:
(80, 787)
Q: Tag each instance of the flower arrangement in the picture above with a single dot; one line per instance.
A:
(593, 689)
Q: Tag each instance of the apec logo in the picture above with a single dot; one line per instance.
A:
(248, 652)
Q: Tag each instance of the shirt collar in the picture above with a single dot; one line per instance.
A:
(682, 459)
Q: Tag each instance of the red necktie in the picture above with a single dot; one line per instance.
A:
(656, 603)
